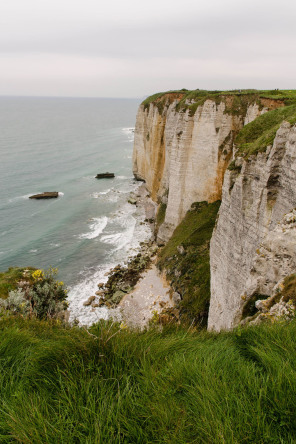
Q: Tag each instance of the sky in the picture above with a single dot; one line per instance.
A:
(112, 48)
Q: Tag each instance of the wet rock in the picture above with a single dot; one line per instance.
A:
(101, 285)
(132, 201)
(89, 301)
(125, 288)
(100, 293)
(105, 176)
(117, 296)
(45, 195)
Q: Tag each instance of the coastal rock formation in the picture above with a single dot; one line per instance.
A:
(240, 148)
(105, 176)
(250, 252)
(45, 195)
(182, 153)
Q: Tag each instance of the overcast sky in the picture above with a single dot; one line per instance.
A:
(131, 48)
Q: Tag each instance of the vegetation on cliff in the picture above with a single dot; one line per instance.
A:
(10, 278)
(186, 260)
(236, 101)
(259, 134)
(63, 385)
(32, 293)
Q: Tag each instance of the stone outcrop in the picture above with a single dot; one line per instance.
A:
(253, 244)
(105, 176)
(45, 195)
(182, 156)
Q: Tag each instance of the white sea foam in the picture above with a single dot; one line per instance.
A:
(129, 133)
(124, 232)
(33, 251)
(97, 226)
(25, 196)
(106, 191)
(79, 293)
(61, 194)
(110, 195)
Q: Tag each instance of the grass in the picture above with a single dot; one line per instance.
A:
(10, 278)
(188, 268)
(257, 135)
(61, 385)
(237, 101)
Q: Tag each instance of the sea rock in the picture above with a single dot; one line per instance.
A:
(132, 201)
(89, 301)
(45, 195)
(105, 176)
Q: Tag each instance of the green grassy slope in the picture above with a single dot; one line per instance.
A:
(62, 385)
(260, 133)
(188, 269)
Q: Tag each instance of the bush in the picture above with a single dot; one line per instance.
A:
(44, 297)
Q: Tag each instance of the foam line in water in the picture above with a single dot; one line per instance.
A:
(97, 226)
(25, 196)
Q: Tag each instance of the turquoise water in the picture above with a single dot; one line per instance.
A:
(60, 144)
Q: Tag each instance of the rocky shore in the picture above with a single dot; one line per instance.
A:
(136, 288)
(123, 278)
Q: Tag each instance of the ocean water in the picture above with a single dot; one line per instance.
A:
(60, 144)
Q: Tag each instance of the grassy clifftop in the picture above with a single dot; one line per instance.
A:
(257, 135)
(236, 101)
(64, 385)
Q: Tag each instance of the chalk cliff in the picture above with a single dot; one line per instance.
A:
(194, 147)
(250, 253)
(182, 150)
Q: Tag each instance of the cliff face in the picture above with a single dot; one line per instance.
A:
(250, 252)
(190, 149)
(182, 155)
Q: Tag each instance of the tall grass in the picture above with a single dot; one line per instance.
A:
(62, 385)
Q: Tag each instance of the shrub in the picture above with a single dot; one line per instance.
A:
(44, 298)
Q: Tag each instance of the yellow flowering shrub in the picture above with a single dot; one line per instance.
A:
(38, 275)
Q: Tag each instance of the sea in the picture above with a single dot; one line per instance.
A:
(60, 144)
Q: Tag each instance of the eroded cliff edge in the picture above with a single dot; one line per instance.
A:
(184, 143)
(253, 248)
(194, 147)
